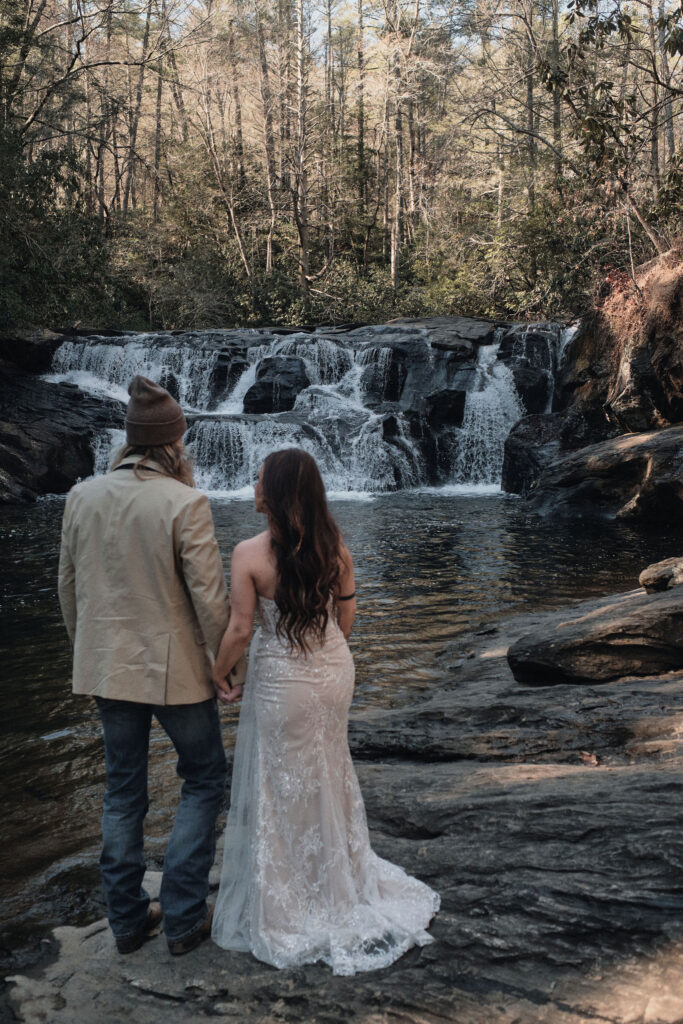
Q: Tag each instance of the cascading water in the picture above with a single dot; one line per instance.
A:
(358, 404)
(491, 410)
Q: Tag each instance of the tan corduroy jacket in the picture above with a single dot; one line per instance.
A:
(142, 589)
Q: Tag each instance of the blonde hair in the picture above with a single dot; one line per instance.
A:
(172, 459)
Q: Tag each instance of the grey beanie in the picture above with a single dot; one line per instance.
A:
(153, 417)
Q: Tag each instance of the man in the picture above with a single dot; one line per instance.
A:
(143, 597)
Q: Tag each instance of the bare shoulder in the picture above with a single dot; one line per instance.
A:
(345, 556)
(253, 547)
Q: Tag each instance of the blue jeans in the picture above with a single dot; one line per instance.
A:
(194, 730)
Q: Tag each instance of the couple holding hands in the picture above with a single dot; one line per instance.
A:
(143, 596)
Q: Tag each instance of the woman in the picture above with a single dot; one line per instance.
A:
(300, 882)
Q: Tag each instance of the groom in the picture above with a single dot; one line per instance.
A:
(143, 597)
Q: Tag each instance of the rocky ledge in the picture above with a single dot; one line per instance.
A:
(637, 477)
(609, 445)
(548, 818)
(46, 434)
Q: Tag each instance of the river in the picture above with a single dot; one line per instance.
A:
(430, 565)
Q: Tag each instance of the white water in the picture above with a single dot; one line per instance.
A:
(330, 418)
(491, 410)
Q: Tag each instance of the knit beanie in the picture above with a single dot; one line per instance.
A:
(153, 417)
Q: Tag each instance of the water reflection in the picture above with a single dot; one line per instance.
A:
(428, 567)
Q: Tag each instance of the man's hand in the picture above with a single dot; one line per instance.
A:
(234, 695)
(226, 694)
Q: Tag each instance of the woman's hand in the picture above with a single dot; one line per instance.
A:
(238, 634)
(226, 693)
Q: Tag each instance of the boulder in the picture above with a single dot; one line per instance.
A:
(457, 334)
(382, 379)
(535, 344)
(445, 408)
(31, 349)
(227, 370)
(662, 575)
(634, 635)
(279, 379)
(635, 476)
(534, 385)
(46, 435)
(623, 369)
(530, 447)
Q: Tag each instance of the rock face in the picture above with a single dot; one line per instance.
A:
(530, 447)
(46, 434)
(445, 407)
(279, 380)
(662, 575)
(31, 349)
(548, 821)
(635, 476)
(637, 635)
(622, 373)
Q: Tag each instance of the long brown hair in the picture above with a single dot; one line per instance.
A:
(306, 542)
(172, 459)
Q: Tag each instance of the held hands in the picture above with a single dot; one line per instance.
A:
(226, 694)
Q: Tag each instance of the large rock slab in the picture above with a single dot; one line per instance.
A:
(46, 435)
(31, 349)
(279, 379)
(458, 334)
(662, 575)
(634, 476)
(531, 446)
(635, 635)
(624, 367)
(555, 844)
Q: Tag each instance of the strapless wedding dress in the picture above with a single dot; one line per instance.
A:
(300, 881)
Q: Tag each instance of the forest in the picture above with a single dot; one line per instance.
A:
(211, 163)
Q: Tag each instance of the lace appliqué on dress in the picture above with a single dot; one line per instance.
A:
(300, 881)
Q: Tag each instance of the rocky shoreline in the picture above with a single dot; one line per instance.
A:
(547, 816)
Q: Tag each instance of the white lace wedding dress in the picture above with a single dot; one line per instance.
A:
(300, 881)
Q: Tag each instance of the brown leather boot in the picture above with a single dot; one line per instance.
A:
(181, 946)
(152, 921)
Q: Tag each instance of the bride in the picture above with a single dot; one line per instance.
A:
(300, 881)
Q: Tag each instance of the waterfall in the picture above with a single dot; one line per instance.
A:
(356, 400)
(491, 410)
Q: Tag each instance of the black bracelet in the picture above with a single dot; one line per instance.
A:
(346, 597)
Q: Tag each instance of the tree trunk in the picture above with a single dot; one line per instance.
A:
(654, 130)
(300, 197)
(360, 64)
(176, 87)
(157, 143)
(232, 57)
(668, 106)
(135, 119)
(269, 140)
(557, 93)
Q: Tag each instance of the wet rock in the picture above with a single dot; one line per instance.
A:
(559, 876)
(31, 349)
(534, 386)
(383, 378)
(46, 435)
(635, 476)
(662, 575)
(585, 422)
(457, 334)
(228, 369)
(279, 379)
(531, 344)
(445, 408)
(636, 635)
(531, 446)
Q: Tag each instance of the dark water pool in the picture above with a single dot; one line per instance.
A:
(429, 567)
